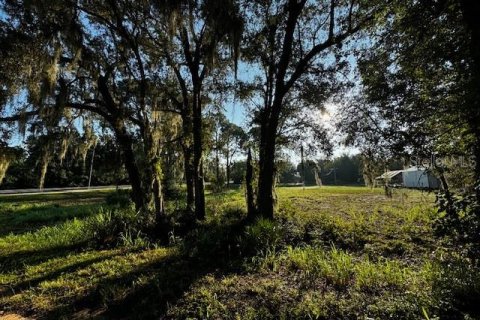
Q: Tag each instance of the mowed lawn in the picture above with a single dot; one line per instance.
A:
(333, 252)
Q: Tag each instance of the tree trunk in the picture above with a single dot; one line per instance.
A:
(217, 166)
(154, 174)
(443, 183)
(471, 11)
(158, 199)
(187, 127)
(189, 180)
(265, 196)
(227, 169)
(161, 222)
(249, 186)
(126, 144)
(43, 172)
(197, 157)
(476, 155)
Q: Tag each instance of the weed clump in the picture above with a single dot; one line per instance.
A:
(119, 198)
(262, 236)
(118, 226)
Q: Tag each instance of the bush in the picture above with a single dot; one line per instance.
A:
(459, 221)
(109, 225)
(217, 186)
(213, 240)
(262, 237)
(136, 240)
(456, 286)
(230, 239)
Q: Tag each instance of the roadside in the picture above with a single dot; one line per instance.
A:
(59, 190)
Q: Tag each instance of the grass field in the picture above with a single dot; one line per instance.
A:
(332, 253)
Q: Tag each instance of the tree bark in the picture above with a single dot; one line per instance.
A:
(187, 127)
(158, 198)
(265, 196)
(126, 144)
(228, 167)
(161, 222)
(125, 141)
(471, 12)
(217, 166)
(153, 180)
(278, 87)
(249, 186)
(189, 180)
(197, 157)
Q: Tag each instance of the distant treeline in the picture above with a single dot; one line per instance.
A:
(72, 171)
(343, 170)
(108, 169)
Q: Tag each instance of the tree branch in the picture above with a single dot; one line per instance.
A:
(19, 116)
(186, 49)
(302, 65)
(294, 8)
(332, 20)
(91, 108)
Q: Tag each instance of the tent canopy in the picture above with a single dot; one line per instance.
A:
(413, 177)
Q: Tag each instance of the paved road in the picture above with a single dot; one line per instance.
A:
(58, 190)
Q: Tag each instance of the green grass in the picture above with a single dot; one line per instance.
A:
(332, 252)
(23, 213)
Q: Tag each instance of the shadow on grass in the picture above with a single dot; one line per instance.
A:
(148, 290)
(168, 279)
(57, 272)
(18, 260)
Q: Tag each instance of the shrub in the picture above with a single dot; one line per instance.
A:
(217, 185)
(120, 198)
(230, 239)
(459, 220)
(212, 240)
(262, 236)
(133, 240)
(107, 227)
(456, 286)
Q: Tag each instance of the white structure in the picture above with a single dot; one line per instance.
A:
(414, 177)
